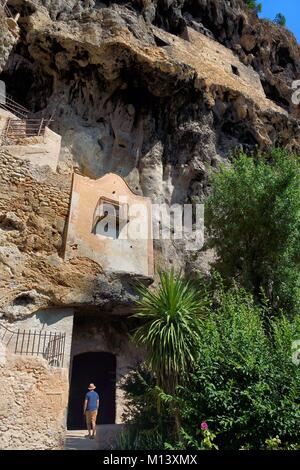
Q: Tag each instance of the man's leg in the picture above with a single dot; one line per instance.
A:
(88, 421)
(93, 419)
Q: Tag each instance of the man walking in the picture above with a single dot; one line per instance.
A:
(90, 410)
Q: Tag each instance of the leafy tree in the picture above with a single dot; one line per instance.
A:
(280, 19)
(253, 221)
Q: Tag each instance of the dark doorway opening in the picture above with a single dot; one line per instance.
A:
(99, 368)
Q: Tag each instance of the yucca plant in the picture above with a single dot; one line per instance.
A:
(171, 323)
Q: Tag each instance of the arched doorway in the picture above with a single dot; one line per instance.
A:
(99, 368)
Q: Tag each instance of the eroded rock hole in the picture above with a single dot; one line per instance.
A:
(235, 70)
(23, 300)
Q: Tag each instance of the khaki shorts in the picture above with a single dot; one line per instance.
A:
(91, 417)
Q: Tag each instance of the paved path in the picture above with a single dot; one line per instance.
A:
(107, 438)
(76, 440)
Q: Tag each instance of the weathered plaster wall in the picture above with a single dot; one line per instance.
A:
(33, 403)
(4, 115)
(120, 255)
(101, 336)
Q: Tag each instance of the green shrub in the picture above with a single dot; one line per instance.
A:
(149, 426)
(245, 386)
(253, 5)
(280, 19)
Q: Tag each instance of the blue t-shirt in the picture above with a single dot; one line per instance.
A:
(91, 398)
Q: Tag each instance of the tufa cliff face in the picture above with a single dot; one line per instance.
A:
(7, 40)
(157, 92)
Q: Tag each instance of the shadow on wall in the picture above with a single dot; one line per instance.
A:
(47, 320)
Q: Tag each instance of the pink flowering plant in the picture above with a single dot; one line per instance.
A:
(207, 437)
(202, 440)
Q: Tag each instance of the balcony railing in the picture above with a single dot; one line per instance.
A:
(47, 344)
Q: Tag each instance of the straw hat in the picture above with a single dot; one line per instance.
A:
(91, 387)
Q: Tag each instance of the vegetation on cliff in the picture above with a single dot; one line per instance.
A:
(253, 222)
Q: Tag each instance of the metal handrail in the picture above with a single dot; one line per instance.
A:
(3, 3)
(9, 104)
(50, 345)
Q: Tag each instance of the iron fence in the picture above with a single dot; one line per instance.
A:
(47, 344)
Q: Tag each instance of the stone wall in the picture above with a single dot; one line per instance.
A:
(34, 208)
(34, 395)
(33, 403)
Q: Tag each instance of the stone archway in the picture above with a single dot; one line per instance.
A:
(99, 368)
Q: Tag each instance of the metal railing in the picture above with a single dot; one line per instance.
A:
(24, 127)
(47, 344)
(20, 126)
(3, 4)
(9, 104)
(16, 130)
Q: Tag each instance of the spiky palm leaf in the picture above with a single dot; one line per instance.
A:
(171, 319)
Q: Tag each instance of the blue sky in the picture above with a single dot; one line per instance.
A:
(290, 9)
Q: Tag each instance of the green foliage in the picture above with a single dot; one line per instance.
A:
(148, 427)
(253, 5)
(280, 19)
(135, 439)
(204, 440)
(273, 443)
(141, 395)
(253, 220)
(170, 319)
(208, 440)
(245, 385)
